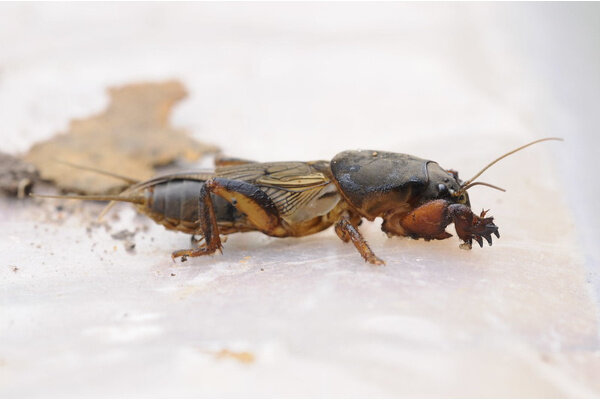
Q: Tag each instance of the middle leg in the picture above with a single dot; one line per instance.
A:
(348, 232)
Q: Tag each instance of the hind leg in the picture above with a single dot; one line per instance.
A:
(197, 241)
(208, 226)
(248, 199)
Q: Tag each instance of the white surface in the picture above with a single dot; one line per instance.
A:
(457, 84)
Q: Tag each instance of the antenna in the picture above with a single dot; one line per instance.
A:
(469, 183)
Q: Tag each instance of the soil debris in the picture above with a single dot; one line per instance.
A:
(129, 246)
(17, 177)
(92, 226)
(123, 235)
(127, 236)
(131, 137)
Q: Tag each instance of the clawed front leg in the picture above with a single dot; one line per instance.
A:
(430, 220)
(470, 226)
(348, 232)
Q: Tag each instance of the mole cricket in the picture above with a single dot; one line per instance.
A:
(414, 197)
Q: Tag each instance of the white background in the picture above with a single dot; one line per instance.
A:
(459, 84)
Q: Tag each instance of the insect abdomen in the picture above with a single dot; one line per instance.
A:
(175, 204)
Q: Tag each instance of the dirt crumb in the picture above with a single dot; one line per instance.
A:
(123, 234)
(129, 246)
(127, 236)
(17, 177)
(92, 226)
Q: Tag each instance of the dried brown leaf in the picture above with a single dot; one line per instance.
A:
(130, 138)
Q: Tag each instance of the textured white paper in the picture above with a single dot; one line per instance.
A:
(459, 84)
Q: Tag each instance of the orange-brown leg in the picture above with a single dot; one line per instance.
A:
(197, 241)
(252, 201)
(208, 226)
(470, 226)
(247, 198)
(430, 220)
(347, 231)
